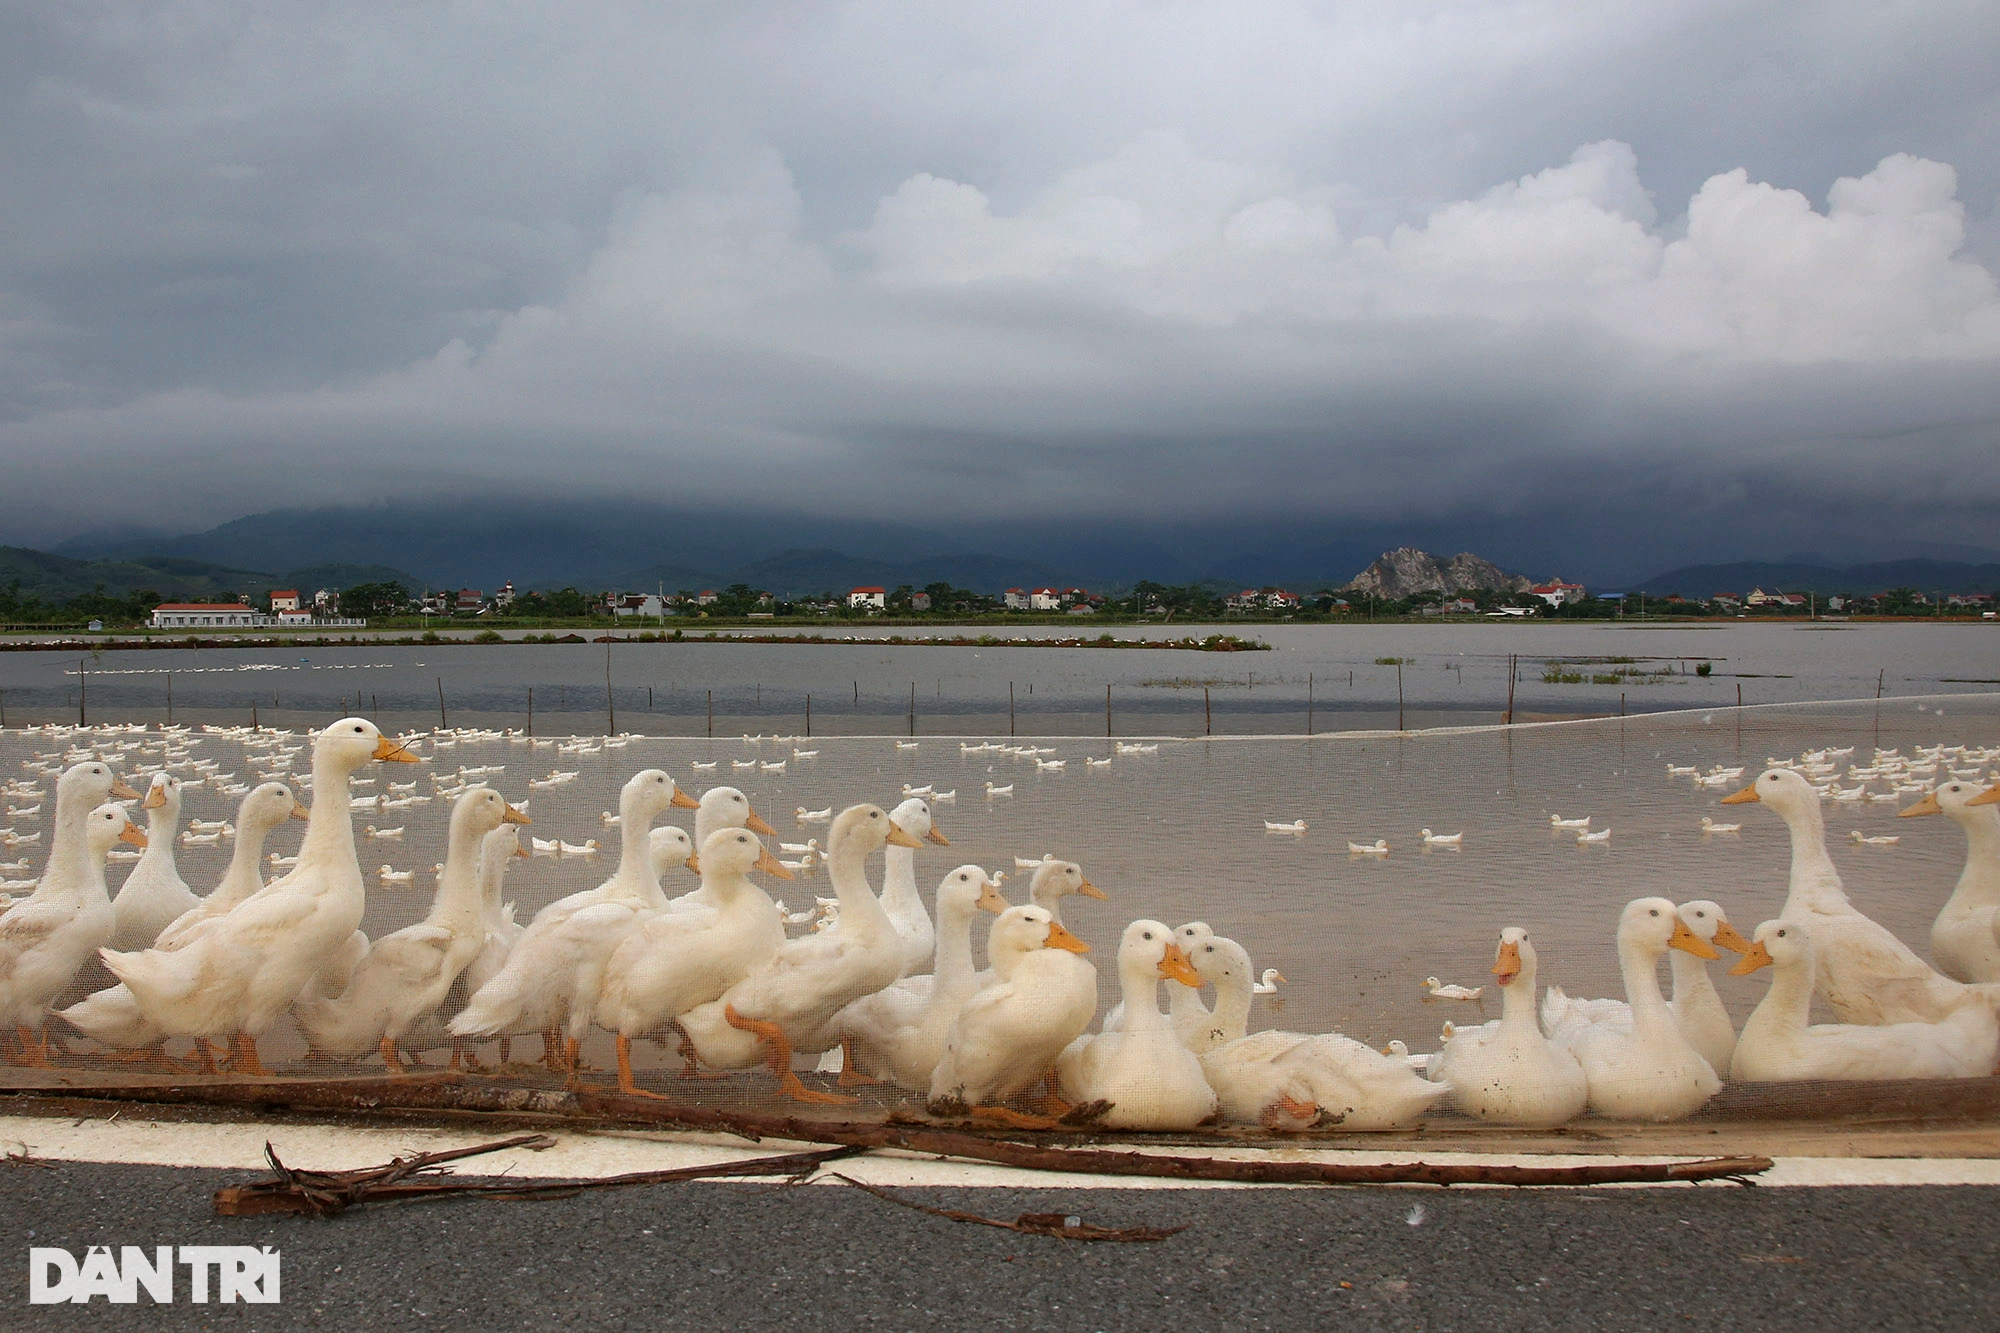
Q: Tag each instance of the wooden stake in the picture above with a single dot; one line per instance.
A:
(442, 724)
(1207, 714)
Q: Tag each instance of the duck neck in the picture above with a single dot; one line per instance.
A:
(1232, 1004)
(162, 821)
(1815, 884)
(1788, 1005)
(1979, 882)
(635, 852)
(69, 849)
(847, 868)
(246, 873)
(459, 900)
(899, 882)
(1641, 969)
(329, 836)
(1517, 1005)
(1048, 900)
(951, 961)
(1691, 979)
(1139, 987)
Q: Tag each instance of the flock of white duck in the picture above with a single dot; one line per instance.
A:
(715, 970)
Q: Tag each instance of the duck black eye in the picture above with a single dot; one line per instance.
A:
(1149, 934)
(1654, 912)
(1211, 948)
(1781, 934)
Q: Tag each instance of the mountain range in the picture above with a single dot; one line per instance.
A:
(636, 545)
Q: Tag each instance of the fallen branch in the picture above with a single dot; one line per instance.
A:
(404, 1179)
(26, 1157)
(1063, 1226)
(923, 1138)
(453, 1092)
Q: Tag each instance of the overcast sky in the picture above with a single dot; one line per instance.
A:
(1528, 266)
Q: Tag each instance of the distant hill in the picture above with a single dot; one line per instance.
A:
(1946, 576)
(1406, 571)
(57, 578)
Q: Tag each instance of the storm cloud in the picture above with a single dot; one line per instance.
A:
(1536, 269)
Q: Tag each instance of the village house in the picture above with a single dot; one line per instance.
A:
(1045, 599)
(638, 604)
(469, 602)
(1558, 593)
(208, 615)
(920, 601)
(871, 599)
(1016, 599)
(284, 599)
(707, 597)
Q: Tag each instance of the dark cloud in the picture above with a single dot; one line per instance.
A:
(1557, 277)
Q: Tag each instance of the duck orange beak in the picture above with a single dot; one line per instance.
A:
(693, 862)
(771, 865)
(1991, 796)
(936, 835)
(513, 816)
(156, 796)
(683, 801)
(990, 899)
(1755, 957)
(1176, 967)
(757, 826)
(899, 838)
(300, 812)
(1686, 940)
(1089, 890)
(390, 752)
(123, 790)
(1058, 938)
(131, 834)
(1731, 938)
(1928, 806)
(1744, 797)
(1507, 963)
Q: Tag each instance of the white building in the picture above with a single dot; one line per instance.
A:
(874, 599)
(1557, 593)
(209, 615)
(1016, 599)
(640, 604)
(284, 599)
(1045, 599)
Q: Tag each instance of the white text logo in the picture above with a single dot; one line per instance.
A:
(225, 1273)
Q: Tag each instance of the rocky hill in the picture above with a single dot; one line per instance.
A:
(1406, 571)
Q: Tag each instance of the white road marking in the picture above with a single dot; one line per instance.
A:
(239, 1146)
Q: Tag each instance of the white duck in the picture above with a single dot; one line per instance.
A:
(47, 938)
(1696, 1005)
(1052, 882)
(237, 977)
(1292, 1080)
(112, 1016)
(646, 795)
(899, 1032)
(720, 808)
(900, 898)
(1780, 1045)
(154, 894)
(1149, 1078)
(1006, 1038)
(671, 962)
(1965, 938)
(1865, 973)
(555, 970)
(792, 998)
(1506, 1071)
(406, 975)
(1197, 1027)
(1643, 1068)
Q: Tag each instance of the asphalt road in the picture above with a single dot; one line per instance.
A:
(739, 1256)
